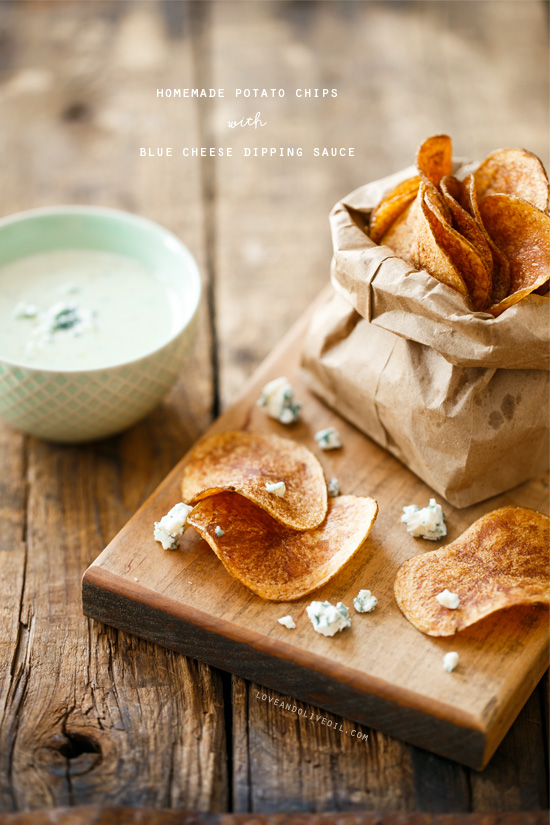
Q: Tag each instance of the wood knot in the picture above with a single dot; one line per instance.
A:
(76, 111)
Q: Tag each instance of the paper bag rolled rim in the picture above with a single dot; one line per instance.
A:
(389, 293)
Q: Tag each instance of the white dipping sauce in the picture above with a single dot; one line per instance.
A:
(73, 309)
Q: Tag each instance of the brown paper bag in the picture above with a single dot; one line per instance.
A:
(458, 396)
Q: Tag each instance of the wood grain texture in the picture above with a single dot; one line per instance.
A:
(415, 69)
(87, 712)
(383, 672)
(76, 85)
(92, 815)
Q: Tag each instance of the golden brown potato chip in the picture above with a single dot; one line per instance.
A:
(427, 253)
(501, 267)
(460, 251)
(391, 207)
(500, 561)
(400, 238)
(274, 561)
(434, 158)
(522, 233)
(464, 223)
(513, 172)
(245, 462)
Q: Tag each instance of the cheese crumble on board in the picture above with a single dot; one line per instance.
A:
(172, 526)
(328, 619)
(450, 661)
(428, 523)
(365, 602)
(287, 621)
(277, 398)
(328, 439)
(333, 487)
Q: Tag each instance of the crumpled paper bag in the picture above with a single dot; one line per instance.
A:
(460, 397)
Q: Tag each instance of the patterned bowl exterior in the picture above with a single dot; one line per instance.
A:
(88, 405)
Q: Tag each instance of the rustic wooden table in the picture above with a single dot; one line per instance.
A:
(91, 716)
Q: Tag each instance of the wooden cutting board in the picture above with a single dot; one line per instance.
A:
(381, 672)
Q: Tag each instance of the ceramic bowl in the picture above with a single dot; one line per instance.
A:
(84, 405)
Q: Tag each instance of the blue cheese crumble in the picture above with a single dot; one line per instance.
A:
(328, 439)
(61, 319)
(172, 526)
(219, 532)
(278, 488)
(365, 602)
(333, 488)
(24, 309)
(328, 619)
(448, 599)
(428, 523)
(450, 661)
(277, 398)
(287, 621)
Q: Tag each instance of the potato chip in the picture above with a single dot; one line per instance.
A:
(522, 232)
(391, 207)
(464, 223)
(434, 158)
(513, 172)
(245, 462)
(400, 238)
(463, 256)
(427, 253)
(278, 563)
(500, 561)
(501, 267)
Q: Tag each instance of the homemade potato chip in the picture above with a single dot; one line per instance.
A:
(427, 252)
(501, 267)
(434, 158)
(513, 172)
(400, 238)
(500, 561)
(278, 563)
(462, 255)
(391, 207)
(464, 223)
(245, 462)
(443, 232)
(522, 232)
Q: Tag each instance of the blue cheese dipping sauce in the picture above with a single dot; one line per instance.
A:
(78, 309)
(98, 319)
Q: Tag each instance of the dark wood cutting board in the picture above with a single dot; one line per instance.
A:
(381, 672)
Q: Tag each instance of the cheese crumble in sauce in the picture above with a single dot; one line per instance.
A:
(79, 309)
(428, 523)
(328, 619)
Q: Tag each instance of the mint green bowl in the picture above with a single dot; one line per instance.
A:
(85, 405)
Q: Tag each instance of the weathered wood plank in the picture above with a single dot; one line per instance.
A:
(93, 815)
(325, 767)
(516, 778)
(418, 68)
(88, 713)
